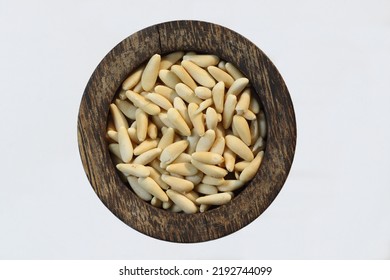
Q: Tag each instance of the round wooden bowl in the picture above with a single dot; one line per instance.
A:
(200, 37)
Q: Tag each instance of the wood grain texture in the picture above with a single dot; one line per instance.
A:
(204, 38)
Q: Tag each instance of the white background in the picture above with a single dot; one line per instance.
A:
(335, 59)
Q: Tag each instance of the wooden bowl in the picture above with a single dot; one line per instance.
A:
(200, 37)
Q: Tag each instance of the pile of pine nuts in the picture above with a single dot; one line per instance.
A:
(186, 132)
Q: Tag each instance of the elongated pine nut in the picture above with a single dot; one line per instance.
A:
(139, 191)
(142, 124)
(215, 199)
(192, 141)
(150, 73)
(156, 165)
(126, 108)
(159, 100)
(133, 135)
(169, 78)
(202, 60)
(196, 119)
(114, 149)
(156, 176)
(183, 168)
(184, 157)
(244, 101)
(218, 146)
(200, 75)
(208, 157)
(152, 131)
(237, 146)
(249, 115)
(233, 71)
(187, 94)
(230, 159)
(241, 126)
(179, 104)
(218, 93)
(192, 196)
(254, 105)
(171, 152)
(259, 145)
(132, 80)
(133, 169)
(206, 141)
(221, 76)
(228, 110)
(239, 166)
(113, 135)
(178, 184)
(202, 92)
(183, 202)
(250, 171)
(238, 86)
(168, 60)
(140, 102)
(211, 118)
(230, 185)
(125, 145)
(206, 189)
(145, 146)
(175, 208)
(166, 92)
(195, 179)
(149, 185)
(254, 130)
(147, 156)
(118, 118)
(164, 119)
(167, 205)
(209, 169)
(184, 76)
(178, 122)
(212, 180)
(204, 105)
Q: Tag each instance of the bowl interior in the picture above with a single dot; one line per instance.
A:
(271, 91)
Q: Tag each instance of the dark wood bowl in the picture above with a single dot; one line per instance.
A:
(200, 37)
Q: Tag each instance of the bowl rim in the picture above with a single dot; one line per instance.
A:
(199, 36)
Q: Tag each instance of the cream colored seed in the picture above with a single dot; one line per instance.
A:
(141, 119)
(168, 60)
(254, 130)
(195, 179)
(178, 184)
(204, 105)
(133, 169)
(156, 165)
(113, 135)
(220, 131)
(206, 189)
(145, 146)
(126, 108)
(156, 202)
(133, 135)
(249, 115)
(262, 125)
(148, 156)
(212, 180)
(228, 110)
(202, 60)
(150, 73)
(175, 208)
(184, 76)
(210, 170)
(187, 94)
(169, 78)
(230, 185)
(218, 94)
(171, 152)
(233, 71)
(179, 104)
(183, 202)
(241, 126)
(153, 188)
(183, 168)
(192, 141)
(239, 166)
(164, 119)
(178, 122)
(221, 65)
(156, 176)
(159, 100)
(259, 145)
(139, 191)
(221, 75)
(218, 146)
(184, 157)
(192, 196)
(200, 75)
(211, 118)
(237, 146)
(140, 102)
(215, 199)
(206, 141)
(118, 118)
(152, 131)
(125, 145)
(196, 119)
(167, 205)
(238, 86)
(167, 138)
(138, 88)
(208, 157)
(230, 159)
(114, 149)
(243, 102)
(254, 105)
(202, 92)
(166, 92)
(203, 208)
(132, 80)
(250, 171)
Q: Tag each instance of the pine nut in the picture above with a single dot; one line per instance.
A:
(218, 146)
(200, 75)
(148, 156)
(145, 146)
(159, 100)
(215, 199)
(230, 185)
(168, 60)
(132, 80)
(237, 146)
(178, 122)
(202, 92)
(133, 169)
(150, 73)
(182, 168)
(149, 185)
(241, 126)
(171, 152)
(206, 141)
(206, 189)
(125, 145)
(202, 60)
(209, 169)
(233, 71)
(221, 76)
(166, 139)
(228, 110)
(139, 191)
(183, 202)
(212, 180)
(230, 159)
(196, 119)
(166, 92)
(118, 118)
(218, 94)
(249, 172)
(244, 101)
(187, 94)
(208, 157)
(169, 78)
(238, 85)
(126, 108)
(177, 184)
(184, 76)
(142, 124)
